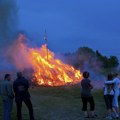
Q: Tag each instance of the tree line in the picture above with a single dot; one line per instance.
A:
(87, 58)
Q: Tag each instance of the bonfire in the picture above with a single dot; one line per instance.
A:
(47, 70)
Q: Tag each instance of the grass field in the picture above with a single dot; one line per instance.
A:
(59, 103)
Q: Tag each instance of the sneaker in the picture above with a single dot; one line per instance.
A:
(109, 117)
(87, 116)
(117, 116)
(94, 116)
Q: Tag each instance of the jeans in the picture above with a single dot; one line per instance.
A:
(7, 108)
(29, 106)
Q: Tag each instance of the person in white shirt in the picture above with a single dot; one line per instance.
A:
(116, 82)
(109, 95)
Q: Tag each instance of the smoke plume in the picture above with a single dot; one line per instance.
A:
(8, 30)
(8, 22)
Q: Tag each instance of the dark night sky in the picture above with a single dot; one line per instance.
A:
(71, 24)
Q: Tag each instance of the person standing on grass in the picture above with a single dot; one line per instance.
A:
(115, 104)
(109, 95)
(20, 87)
(6, 90)
(87, 95)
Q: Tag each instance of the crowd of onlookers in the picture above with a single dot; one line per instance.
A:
(111, 94)
(18, 90)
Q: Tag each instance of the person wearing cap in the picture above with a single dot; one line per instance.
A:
(20, 87)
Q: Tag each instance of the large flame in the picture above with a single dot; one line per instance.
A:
(47, 69)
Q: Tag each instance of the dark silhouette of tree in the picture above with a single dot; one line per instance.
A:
(94, 59)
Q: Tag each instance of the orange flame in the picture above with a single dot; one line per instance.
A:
(47, 69)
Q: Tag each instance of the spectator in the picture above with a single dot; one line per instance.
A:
(109, 95)
(115, 104)
(7, 96)
(21, 86)
(87, 95)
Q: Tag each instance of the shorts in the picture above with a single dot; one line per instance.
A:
(89, 100)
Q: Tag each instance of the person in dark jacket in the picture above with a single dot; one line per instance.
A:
(87, 95)
(20, 87)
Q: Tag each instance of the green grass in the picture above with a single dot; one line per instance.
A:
(59, 103)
